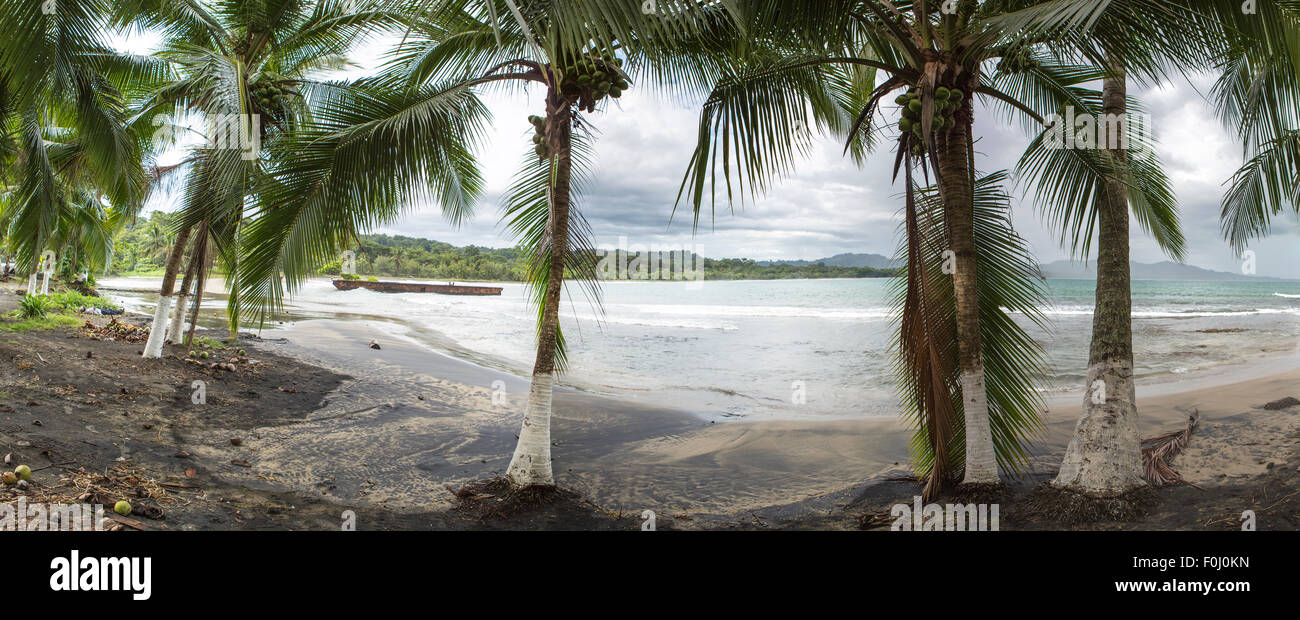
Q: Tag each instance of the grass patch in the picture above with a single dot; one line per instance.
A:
(72, 301)
(47, 322)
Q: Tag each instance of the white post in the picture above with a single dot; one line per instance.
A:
(47, 259)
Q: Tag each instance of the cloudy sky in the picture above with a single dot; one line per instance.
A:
(830, 205)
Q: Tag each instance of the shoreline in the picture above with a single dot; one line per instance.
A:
(627, 454)
(391, 430)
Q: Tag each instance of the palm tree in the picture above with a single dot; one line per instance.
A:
(1257, 94)
(1087, 194)
(66, 142)
(935, 56)
(248, 73)
(157, 241)
(574, 52)
(1145, 41)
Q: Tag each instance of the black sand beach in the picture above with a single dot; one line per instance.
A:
(325, 424)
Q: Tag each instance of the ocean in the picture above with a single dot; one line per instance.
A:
(788, 349)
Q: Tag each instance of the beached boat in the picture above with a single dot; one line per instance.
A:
(416, 287)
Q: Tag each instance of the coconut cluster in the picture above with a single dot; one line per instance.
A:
(946, 103)
(539, 136)
(271, 93)
(591, 78)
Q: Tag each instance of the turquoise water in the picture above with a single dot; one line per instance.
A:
(751, 349)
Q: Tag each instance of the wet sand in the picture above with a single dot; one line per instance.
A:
(629, 457)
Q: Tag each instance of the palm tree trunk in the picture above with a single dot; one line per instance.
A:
(199, 287)
(1104, 458)
(957, 190)
(531, 463)
(178, 313)
(158, 329)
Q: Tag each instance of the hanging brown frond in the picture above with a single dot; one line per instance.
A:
(1158, 453)
(921, 354)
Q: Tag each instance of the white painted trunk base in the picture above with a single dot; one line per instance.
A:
(158, 329)
(176, 333)
(31, 284)
(45, 284)
(981, 460)
(1104, 459)
(531, 463)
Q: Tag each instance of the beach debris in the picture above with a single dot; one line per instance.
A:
(117, 330)
(374, 345)
(241, 462)
(874, 520)
(122, 507)
(235, 441)
(1159, 452)
(288, 390)
(23, 471)
(1285, 403)
(182, 455)
(37, 423)
(9, 478)
(9, 459)
(24, 485)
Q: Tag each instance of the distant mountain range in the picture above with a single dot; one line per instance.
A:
(1164, 270)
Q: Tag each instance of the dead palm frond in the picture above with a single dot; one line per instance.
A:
(1158, 453)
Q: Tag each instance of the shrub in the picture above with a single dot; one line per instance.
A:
(73, 301)
(33, 306)
(350, 276)
(372, 279)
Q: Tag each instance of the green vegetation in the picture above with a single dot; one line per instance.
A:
(42, 312)
(399, 256)
(140, 248)
(73, 301)
(47, 322)
(33, 306)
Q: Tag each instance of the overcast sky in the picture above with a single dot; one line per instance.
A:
(830, 205)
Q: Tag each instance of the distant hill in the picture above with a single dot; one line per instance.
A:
(874, 261)
(1164, 270)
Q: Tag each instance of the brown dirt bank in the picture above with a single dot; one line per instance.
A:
(89, 415)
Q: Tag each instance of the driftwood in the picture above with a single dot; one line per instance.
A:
(1159, 452)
